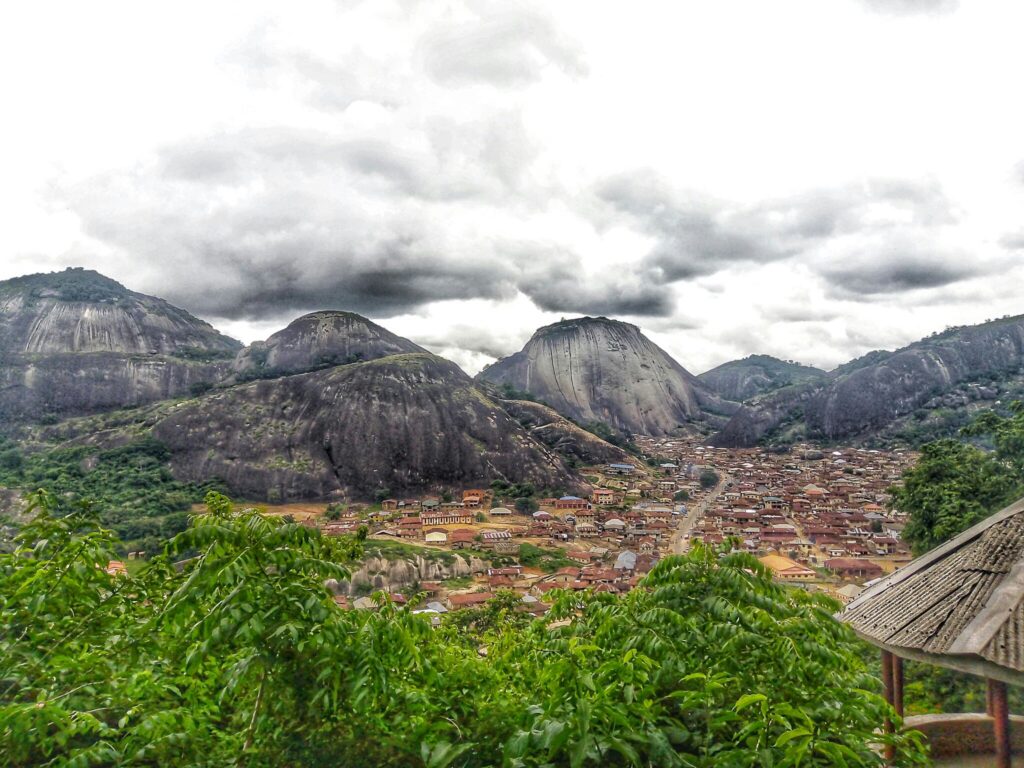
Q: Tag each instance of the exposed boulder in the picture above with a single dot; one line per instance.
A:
(408, 423)
(869, 395)
(319, 340)
(76, 342)
(593, 369)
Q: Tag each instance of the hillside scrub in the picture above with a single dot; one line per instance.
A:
(227, 649)
(130, 486)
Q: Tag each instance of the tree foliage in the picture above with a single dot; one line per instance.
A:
(956, 484)
(130, 487)
(227, 649)
(708, 478)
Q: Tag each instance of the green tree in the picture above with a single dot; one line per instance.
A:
(708, 478)
(526, 505)
(953, 486)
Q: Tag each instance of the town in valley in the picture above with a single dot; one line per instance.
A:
(818, 518)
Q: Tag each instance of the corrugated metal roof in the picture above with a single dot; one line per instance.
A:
(964, 599)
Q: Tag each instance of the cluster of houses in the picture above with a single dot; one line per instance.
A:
(815, 517)
(812, 514)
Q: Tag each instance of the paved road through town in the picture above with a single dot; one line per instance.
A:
(680, 543)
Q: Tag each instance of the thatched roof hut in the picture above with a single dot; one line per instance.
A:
(959, 606)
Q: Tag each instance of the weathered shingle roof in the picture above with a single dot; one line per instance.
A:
(961, 605)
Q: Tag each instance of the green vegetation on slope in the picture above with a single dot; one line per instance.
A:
(130, 486)
(239, 656)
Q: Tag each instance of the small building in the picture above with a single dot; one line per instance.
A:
(853, 568)
(786, 569)
(960, 606)
(620, 469)
(462, 538)
(436, 536)
(472, 600)
(499, 542)
(571, 502)
(615, 525)
(473, 498)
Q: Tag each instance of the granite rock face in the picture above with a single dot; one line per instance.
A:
(593, 369)
(408, 423)
(869, 394)
(561, 435)
(319, 340)
(75, 342)
(741, 380)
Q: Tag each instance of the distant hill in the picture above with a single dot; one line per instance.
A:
(884, 392)
(319, 340)
(740, 380)
(593, 369)
(76, 342)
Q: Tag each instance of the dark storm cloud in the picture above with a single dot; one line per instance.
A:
(502, 45)
(565, 292)
(693, 237)
(265, 222)
(896, 272)
(555, 280)
(269, 221)
(912, 7)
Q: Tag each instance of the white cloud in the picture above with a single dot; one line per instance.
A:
(826, 180)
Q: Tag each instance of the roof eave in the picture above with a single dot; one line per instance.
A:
(972, 664)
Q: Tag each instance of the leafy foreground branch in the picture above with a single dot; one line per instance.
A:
(241, 657)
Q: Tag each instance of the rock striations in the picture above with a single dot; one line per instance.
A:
(76, 342)
(406, 423)
(319, 340)
(593, 369)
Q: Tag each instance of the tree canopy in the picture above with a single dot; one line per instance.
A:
(957, 484)
(228, 649)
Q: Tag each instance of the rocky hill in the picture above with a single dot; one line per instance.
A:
(593, 369)
(872, 394)
(76, 342)
(559, 434)
(741, 380)
(408, 423)
(319, 340)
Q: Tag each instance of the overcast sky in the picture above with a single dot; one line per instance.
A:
(811, 179)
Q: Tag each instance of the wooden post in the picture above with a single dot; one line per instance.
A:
(897, 684)
(1000, 722)
(888, 682)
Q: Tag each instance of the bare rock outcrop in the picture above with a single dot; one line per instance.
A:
(593, 369)
(870, 394)
(408, 423)
(319, 340)
(76, 342)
